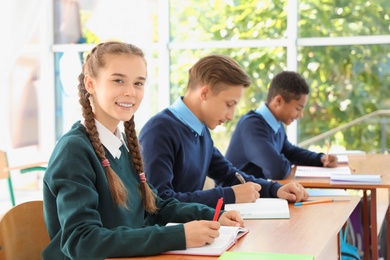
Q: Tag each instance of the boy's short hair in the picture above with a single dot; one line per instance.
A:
(289, 84)
(214, 69)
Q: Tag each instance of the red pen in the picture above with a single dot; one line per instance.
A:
(218, 209)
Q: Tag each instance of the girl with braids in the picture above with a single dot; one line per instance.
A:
(97, 202)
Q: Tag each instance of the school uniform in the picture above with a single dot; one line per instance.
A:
(83, 221)
(259, 146)
(179, 153)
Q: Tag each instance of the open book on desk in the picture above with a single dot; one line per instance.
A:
(228, 236)
(320, 172)
(263, 208)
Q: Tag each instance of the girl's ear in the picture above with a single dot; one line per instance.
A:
(89, 84)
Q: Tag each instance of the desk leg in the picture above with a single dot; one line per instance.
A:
(388, 232)
(366, 229)
(374, 228)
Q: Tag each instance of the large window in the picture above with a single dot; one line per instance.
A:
(342, 49)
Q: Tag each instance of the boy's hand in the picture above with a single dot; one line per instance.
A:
(293, 192)
(248, 192)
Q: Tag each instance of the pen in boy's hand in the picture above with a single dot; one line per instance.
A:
(218, 209)
(240, 178)
(327, 150)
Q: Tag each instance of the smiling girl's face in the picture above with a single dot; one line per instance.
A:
(118, 89)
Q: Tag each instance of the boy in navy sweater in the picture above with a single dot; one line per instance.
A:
(177, 145)
(259, 145)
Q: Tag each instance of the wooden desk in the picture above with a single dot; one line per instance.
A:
(311, 229)
(361, 164)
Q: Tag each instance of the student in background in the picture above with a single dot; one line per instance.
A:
(97, 202)
(259, 145)
(179, 151)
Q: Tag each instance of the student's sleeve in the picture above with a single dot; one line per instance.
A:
(262, 150)
(172, 210)
(224, 174)
(160, 154)
(300, 156)
(83, 235)
(258, 146)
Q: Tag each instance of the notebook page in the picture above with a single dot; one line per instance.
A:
(320, 172)
(263, 208)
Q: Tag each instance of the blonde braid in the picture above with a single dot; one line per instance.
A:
(148, 196)
(94, 62)
(117, 188)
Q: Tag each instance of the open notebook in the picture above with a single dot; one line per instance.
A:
(320, 172)
(263, 208)
(228, 236)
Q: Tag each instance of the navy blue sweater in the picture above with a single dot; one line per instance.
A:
(177, 161)
(257, 150)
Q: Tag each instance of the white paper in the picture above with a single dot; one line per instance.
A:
(320, 172)
(263, 208)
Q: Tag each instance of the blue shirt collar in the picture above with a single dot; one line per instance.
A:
(264, 111)
(184, 114)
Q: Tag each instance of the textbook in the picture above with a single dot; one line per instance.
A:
(315, 192)
(342, 159)
(355, 179)
(320, 172)
(263, 208)
(228, 236)
(263, 256)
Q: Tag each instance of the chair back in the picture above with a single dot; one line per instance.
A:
(3, 165)
(5, 172)
(23, 233)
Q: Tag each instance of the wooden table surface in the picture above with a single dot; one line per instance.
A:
(311, 229)
(361, 164)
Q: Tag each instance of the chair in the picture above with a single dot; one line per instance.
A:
(5, 171)
(23, 233)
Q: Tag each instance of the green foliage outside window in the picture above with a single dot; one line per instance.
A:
(347, 81)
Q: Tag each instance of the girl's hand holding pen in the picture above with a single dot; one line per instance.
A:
(231, 218)
(200, 233)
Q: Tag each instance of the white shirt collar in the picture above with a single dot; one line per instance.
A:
(112, 142)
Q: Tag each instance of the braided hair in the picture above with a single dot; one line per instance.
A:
(93, 63)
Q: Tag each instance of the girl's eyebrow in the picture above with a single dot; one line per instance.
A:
(118, 75)
(124, 76)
